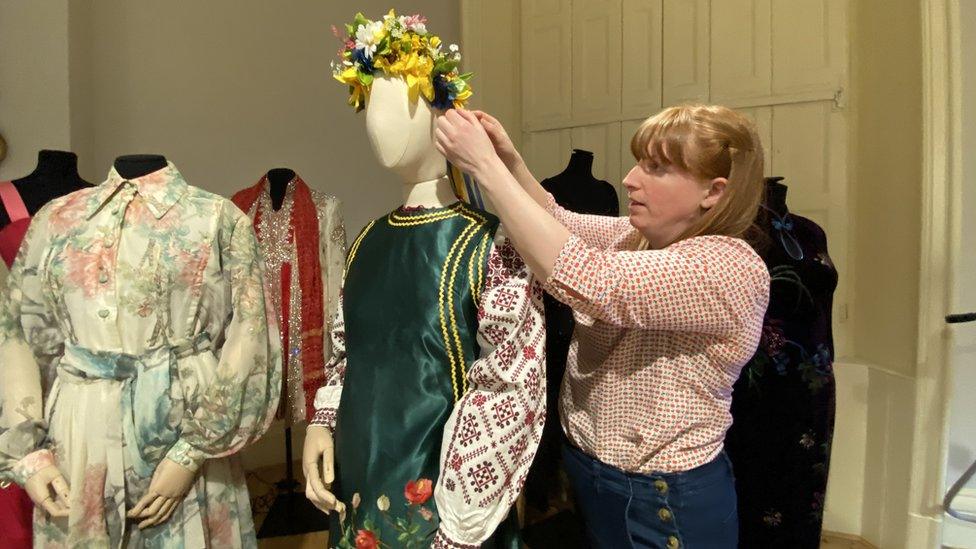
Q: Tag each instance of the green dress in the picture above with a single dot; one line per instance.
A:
(414, 299)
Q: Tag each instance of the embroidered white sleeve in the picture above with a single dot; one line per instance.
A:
(492, 435)
(327, 396)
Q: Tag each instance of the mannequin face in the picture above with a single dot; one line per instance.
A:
(402, 133)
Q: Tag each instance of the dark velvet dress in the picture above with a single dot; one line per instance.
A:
(783, 404)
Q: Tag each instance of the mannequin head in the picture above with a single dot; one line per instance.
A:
(401, 131)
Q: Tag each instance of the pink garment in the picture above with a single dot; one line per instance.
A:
(16, 507)
(12, 234)
(660, 338)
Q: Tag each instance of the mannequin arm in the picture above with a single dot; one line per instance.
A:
(30, 342)
(45, 485)
(240, 402)
(318, 453)
(169, 485)
(494, 430)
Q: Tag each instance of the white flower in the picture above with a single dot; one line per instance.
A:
(454, 48)
(355, 500)
(383, 503)
(368, 36)
(419, 28)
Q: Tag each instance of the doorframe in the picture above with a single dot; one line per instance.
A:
(940, 243)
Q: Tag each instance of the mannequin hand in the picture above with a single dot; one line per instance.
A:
(461, 138)
(169, 485)
(49, 491)
(500, 140)
(319, 447)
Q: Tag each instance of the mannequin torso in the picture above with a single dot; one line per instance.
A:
(56, 175)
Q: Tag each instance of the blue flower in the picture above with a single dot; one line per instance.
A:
(365, 63)
(444, 93)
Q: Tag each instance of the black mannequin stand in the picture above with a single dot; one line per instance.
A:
(291, 513)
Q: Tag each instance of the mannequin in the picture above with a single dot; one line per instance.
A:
(420, 438)
(56, 174)
(153, 378)
(783, 403)
(577, 190)
(302, 237)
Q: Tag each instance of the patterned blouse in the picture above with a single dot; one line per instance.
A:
(661, 336)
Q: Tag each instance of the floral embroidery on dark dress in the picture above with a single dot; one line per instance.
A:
(784, 401)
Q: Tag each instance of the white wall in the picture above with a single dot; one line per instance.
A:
(34, 83)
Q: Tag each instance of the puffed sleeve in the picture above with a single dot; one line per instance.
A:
(492, 435)
(240, 400)
(31, 341)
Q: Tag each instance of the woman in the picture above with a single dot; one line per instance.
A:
(669, 305)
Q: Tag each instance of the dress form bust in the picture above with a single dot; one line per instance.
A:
(401, 133)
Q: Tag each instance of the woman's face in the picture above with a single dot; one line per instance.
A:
(664, 200)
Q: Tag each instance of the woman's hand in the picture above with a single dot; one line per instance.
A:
(169, 485)
(504, 147)
(462, 139)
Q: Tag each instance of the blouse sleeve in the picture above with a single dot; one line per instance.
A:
(494, 430)
(327, 396)
(239, 403)
(332, 258)
(30, 342)
(598, 231)
(711, 285)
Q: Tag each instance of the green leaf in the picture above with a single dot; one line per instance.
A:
(401, 524)
(350, 30)
(368, 524)
(359, 21)
(403, 537)
(414, 529)
(365, 79)
(445, 65)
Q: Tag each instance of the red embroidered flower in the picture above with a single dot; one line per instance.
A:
(529, 418)
(529, 353)
(456, 462)
(479, 400)
(366, 540)
(418, 492)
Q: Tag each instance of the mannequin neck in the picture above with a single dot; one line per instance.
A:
(433, 193)
(776, 195)
(60, 164)
(580, 164)
(135, 166)
(278, 180)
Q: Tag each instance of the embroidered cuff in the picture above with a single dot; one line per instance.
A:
(186, 455)
(443, 541)
(326, 417)
(30, 464)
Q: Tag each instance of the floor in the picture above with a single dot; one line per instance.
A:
(261, 485)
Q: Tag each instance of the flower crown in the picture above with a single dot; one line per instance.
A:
(400, 46)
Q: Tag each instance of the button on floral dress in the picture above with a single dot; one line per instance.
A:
(135, 328)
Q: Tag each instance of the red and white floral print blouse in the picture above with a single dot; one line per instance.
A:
(661, 336)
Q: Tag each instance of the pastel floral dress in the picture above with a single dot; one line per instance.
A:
(135, 328)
